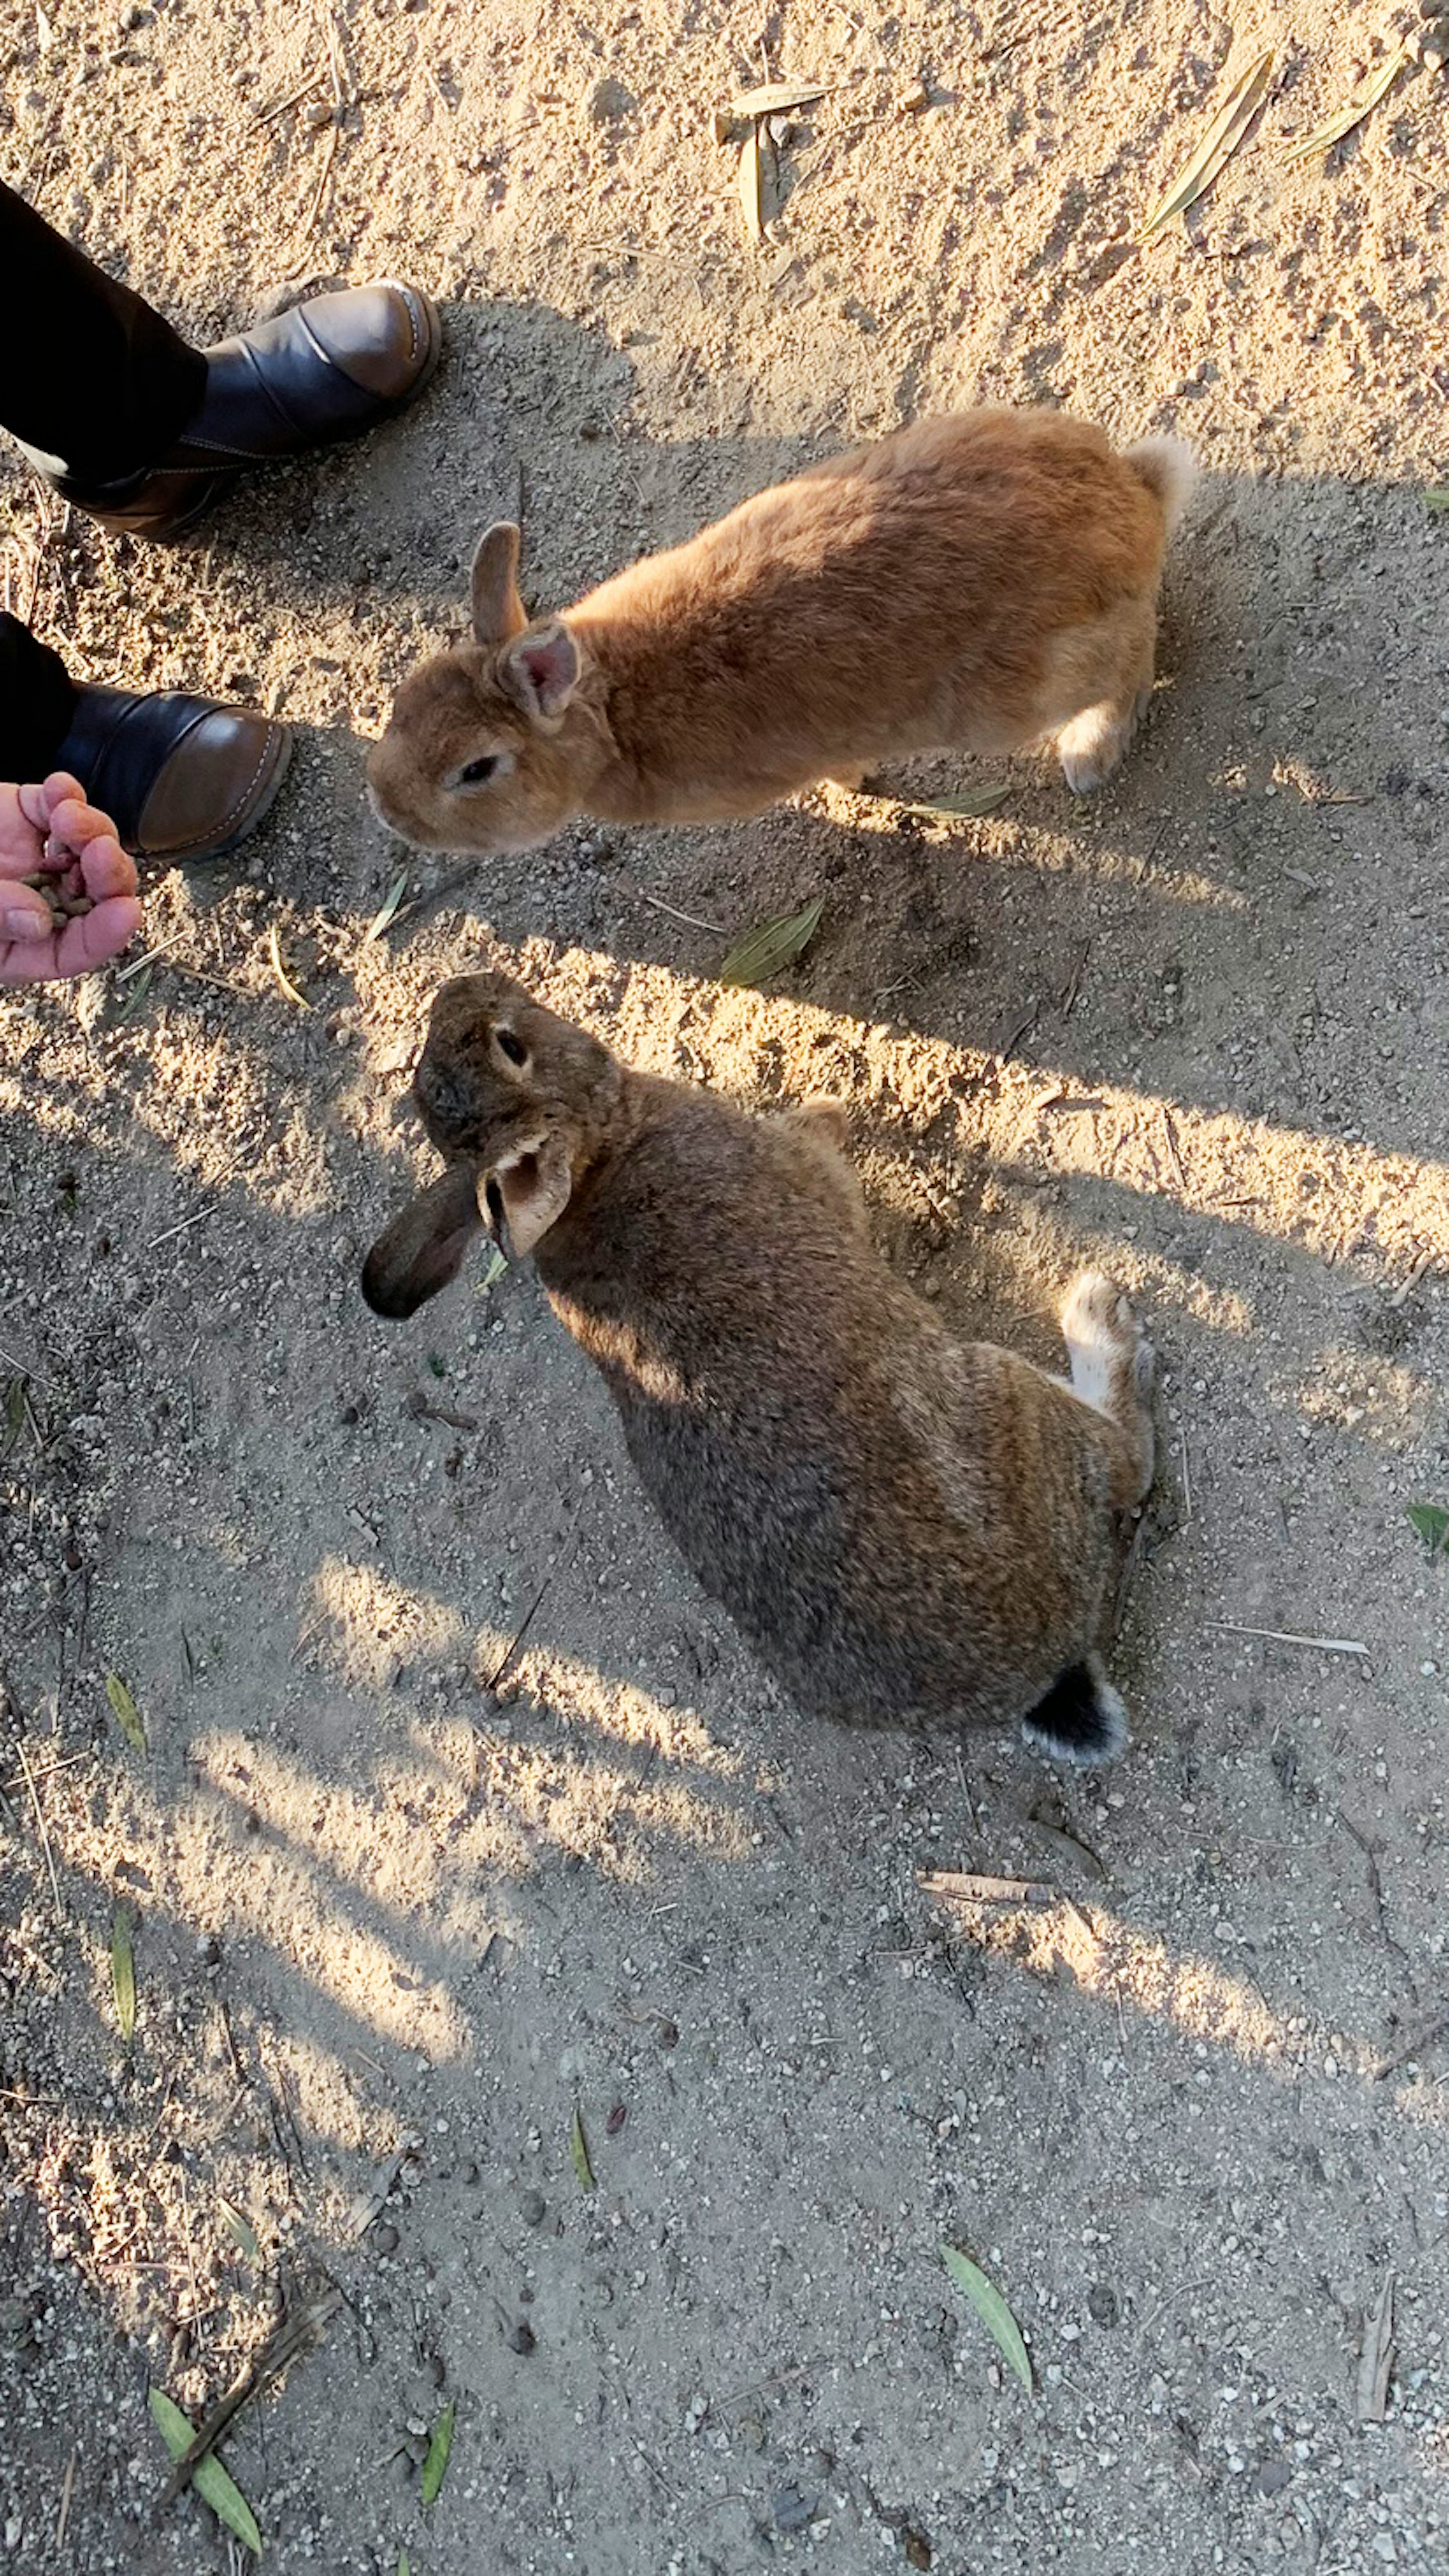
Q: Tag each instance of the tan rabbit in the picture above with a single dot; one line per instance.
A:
(973, 583)
(908, 1529)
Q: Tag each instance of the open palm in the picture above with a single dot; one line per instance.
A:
(51, 831)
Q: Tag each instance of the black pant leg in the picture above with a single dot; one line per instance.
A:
(89, 374)
(37, 695)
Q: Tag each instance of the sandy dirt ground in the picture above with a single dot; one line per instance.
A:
(403, 1902)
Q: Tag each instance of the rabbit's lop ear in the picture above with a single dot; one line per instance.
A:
(540, 669)
(498, 612)
(422, 1250)
(523, 1197)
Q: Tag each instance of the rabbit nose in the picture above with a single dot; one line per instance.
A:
(440, 1096)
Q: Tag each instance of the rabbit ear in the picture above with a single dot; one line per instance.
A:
(422, 1250)
(540, 668)
(498, 612)
(526, 1195)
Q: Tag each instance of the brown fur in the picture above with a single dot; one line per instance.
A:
(973, 583)
(908, 1528)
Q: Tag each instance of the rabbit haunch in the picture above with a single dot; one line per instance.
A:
(907, 1528)
(974, 583)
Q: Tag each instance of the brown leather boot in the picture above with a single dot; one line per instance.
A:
(330, 369)
(181, 778)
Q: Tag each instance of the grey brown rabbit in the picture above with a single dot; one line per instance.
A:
(973, 583)
(907, 1528)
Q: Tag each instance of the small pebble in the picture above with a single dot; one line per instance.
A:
(793, 2508)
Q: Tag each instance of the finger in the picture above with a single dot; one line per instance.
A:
(27, 961)
(105, 867)
(75, 822)
(98, 935)
(82, 945)
(24, 914)
(34, 805)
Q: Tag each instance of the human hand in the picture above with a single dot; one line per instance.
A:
(51, 833)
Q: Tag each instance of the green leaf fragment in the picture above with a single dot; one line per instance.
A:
(993, 2311)
(239, 2227)
(14, 1412)
(1431, 1520)
(123, 1974)
(391, 900)
(497, 1265)
(125, 1711)
(208, 2477)
(435, 2466)
(1438, 499)
(579, 2150)
(774, 945)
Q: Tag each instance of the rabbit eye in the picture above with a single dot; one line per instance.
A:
(477, 771)
(512, 1047)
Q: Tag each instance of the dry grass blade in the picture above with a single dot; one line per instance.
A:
(974, 1889)
(579, 2150)
(950, 809)
(773, 945)
(41, 1827)
(752, 185)
(190, 2455)
(390, 902)
(123, 1975)
(126, 1713)
(775, 98)
(274, 951)
(1376, 2359)
(208, 2477)
(1217, 147)
(1291, 1637)
(1368, 95)
(993, 2311)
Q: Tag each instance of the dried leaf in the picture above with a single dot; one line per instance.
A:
(752, 185)
(579, 2150)
(435, 2466)
(1432, 1523)
(127, 1714)
(123, 1974)
(1378, 85)
(775, 97)
(993, 2311)
(1376, 2359)
(773, 945)
(14, 1412)
(391, 900)
(1217, 147)
(274, 951)
(208, 2477)
(950, 808)
(1069, 1844)
(240, 2229)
